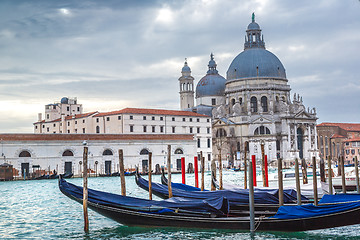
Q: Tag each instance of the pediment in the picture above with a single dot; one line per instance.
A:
(261, 120)
(302, 114)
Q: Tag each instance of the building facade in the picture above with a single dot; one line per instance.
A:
(252, 109)
(339, 139)
(32, 154)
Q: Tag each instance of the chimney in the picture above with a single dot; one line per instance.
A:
(39, 117)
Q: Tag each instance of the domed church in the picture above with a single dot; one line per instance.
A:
(252, 109)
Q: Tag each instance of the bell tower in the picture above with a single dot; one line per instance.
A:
(186, 82)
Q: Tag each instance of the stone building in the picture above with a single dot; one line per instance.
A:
(339, 139)
(253, 109)
(28, 153)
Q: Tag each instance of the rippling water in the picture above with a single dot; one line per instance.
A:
(38, 210)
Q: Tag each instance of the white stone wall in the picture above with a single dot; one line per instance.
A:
(48, 154)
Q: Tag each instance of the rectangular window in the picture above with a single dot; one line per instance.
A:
(54, 125)
(198, 130)
(209, 157)
(97, 120)
(161, 118)
(198, 119)
(131, 117)
(84, 121)
(107, 118)
(144, 117)
(68, 131)
(144, 128)
(35, 127)
(68, 123)
(190, 119)
(208, 120)
(78, 108)
(47, 129)
(183, 119)
(191, 130)
(68, 108)
(43, 126)
(75, 130)
(173, 119)
(208, 143)
(208, 130)
(152, 118)
(75, 122)
(161, 128)
(173, 129)
(119, 117)
(153, 128)
(47, 116)
(83, 130)
(198, 143)
(131, 128)
(213, 101)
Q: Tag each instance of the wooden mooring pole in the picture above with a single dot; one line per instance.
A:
(196, 172)
(343, 182)
(357, 175)
(245, 169)
(253, 164)
(251, 197)
(169, 171)
(280, 183)
(122, 172)
(85, 189)
(304, 171)
(330, 175)
(150, 172)
(183, 170)
(297, 175)
(315, 181)
(202, 171)
(263, 164)
(220, 172)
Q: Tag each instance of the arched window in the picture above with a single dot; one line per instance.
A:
(24, 154)
(144, 151)
(253, 104)
(67, 153)
(264, 104)
(107, 152)
(220, 133)
(240, 101)
(233, 101)
(179, 151)
(97, 129)
(262, 130)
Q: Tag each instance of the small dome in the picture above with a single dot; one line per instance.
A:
(186, 68)
(64, 100)
(212, 84)
(253, 26)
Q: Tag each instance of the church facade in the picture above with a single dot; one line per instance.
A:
(253, 110)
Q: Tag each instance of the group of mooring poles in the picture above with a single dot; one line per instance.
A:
(252, 179)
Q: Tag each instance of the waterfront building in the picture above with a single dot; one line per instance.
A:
(252, 108)
(34, 154)
(339, 139)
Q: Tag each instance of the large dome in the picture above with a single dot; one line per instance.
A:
(212, 84)
(255, 62)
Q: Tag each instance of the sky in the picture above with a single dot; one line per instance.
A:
(113, 54)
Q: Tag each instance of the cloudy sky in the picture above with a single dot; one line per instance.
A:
(113, 54)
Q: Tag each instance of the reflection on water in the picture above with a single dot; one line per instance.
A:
(38, 210)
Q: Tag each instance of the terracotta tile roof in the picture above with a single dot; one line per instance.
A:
(76, 116)
(151, 112)
(346, 126)
(352, 140)
(337, 136)
(95, 137)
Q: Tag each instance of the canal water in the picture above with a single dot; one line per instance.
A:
(36, 209)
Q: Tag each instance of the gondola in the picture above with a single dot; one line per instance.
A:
(288, 219)
(266, 201)
(66, 175)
